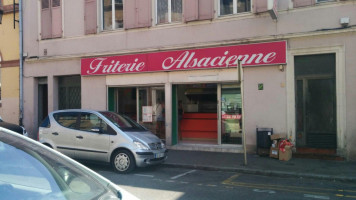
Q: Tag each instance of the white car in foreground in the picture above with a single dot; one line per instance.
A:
(30, 170)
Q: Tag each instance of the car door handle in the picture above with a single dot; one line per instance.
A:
(79, 137)
(55, 133)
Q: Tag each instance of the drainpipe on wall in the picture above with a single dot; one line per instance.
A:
(21, 63)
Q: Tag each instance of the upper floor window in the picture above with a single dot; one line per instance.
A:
(169, 11)
(113, 15)
(228, 7)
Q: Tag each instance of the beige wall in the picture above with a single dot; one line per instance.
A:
(228, 28)
(9, 110)
(94, 92)
(265, 108)
(9, 52)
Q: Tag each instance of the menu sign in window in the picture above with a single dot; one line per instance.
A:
(146, 113)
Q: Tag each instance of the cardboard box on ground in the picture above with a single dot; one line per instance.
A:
(285, 155)
(275, 152)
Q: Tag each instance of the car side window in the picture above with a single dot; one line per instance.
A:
(46, 123)
(92, 123)
(66, 119)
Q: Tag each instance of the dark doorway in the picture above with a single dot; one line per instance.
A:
(316, 101)
(42, 102)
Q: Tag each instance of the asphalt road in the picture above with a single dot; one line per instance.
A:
(161, 182)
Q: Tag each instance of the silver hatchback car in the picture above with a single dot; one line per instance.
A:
(102, 136)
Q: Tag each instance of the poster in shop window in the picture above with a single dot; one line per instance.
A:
(146, 113)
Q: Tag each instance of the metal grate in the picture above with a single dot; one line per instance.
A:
(69, 98)
(319, 140)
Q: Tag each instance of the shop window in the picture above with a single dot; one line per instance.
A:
(51, 19)
(169, 11)
(228, 7)
(112, 14)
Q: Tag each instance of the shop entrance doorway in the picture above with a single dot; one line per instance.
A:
(197, 113)
(315, 101)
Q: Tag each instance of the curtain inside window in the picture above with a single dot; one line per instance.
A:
(176, 10)
(243, 6)
(226, 7)
(119, 14)
(107, 14)
(162, 11)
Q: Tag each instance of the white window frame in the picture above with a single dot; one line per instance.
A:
(169, 12)
(234, 12)
(112, 15)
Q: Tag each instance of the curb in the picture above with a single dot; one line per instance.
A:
(265, 172)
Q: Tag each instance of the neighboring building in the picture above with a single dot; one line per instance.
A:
(149, 59)
(9, 64)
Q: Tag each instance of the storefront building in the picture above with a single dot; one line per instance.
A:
(174, 70)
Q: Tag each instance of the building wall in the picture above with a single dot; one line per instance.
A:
(52, 70)
(346, 42)
(9, 52)
(236, 28)
(94, 95)
(265, 108)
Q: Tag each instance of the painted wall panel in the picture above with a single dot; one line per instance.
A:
(94, 93)
(264, 108)
(206, 9)
(190, 10)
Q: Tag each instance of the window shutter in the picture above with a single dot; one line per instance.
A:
(206, 9)
(90, 16)
(144, 14)
(260, 6)
(56, 10)
(129, 14)
(190, 10)
(46, 23)
(301, 3)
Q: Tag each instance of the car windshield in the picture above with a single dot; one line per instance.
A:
(123, 122)
(28, 171)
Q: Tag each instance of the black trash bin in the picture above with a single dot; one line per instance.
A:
(263, 140)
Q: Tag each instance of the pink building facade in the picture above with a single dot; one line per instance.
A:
(171, 66)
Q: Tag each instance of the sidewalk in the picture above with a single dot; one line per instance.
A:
(296, 167)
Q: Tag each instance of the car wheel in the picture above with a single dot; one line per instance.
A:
(123, 161)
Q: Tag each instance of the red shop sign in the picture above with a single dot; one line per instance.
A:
(271, 53)
(227, 116)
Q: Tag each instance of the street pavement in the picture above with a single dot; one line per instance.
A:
(234, 162)
(171, 183)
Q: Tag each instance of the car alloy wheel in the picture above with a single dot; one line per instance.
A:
(123, 161)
